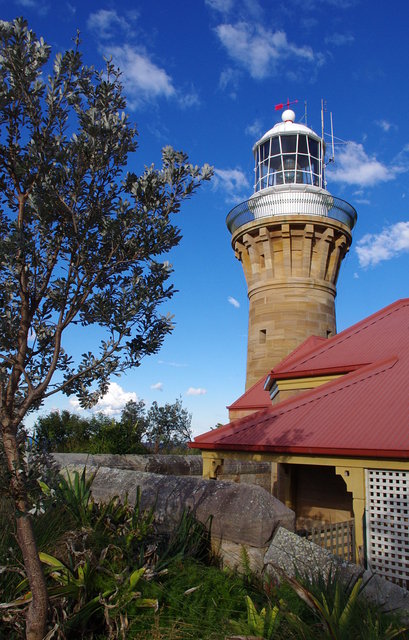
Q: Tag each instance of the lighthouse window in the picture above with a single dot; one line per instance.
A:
(265, 150)
(275, 146)
(289, 144)
(302, 144)
(288, 159)
(313, 144)
(314, 165)
(289, 167)
(303, 170)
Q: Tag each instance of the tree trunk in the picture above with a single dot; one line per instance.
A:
(36, 616)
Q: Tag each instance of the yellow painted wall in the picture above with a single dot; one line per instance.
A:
(288, 468)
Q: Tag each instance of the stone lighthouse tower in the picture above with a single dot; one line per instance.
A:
(291, 236)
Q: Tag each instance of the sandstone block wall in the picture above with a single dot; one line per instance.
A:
(291, 265)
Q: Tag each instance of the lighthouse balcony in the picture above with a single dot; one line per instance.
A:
(292, 203)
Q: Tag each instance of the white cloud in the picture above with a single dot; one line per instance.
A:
(105, 21)
(233, 181)
(39, 6)
(158, 386)
(142, 78)
(172, 364)
(229, 80)
(112, 402)
(339, 39)
(224, 6)
(385, 125)
(189, 99)
(354, 166)
(391, 242)
(255, 129)
(233, 302)
(259, 50)
(196, 391)
(309, 5)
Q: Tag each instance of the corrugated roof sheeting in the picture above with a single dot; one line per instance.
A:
(365, 412)
(254, 398)
(371, 339)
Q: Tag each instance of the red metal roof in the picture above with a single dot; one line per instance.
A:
(364, 413)
(370, 339)
(310, 344)
(254, 398)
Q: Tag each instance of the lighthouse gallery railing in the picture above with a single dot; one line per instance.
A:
(291, 203)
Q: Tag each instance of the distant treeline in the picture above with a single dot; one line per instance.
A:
(164, 428)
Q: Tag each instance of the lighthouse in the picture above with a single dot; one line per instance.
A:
(291, 236)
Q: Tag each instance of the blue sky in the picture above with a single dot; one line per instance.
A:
(204, 76)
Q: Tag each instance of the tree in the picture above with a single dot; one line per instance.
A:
(81, 245)
(61, 431)
(168, 426)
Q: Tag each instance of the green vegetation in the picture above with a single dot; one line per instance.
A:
(111, 576)
(83, 242)
(164, 428)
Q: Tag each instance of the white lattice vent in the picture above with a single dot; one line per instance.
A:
(387, 524)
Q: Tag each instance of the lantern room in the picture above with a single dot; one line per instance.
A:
(289, 154)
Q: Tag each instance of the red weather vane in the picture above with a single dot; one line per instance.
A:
(281, 105)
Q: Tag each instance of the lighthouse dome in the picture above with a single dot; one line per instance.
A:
(289, 154)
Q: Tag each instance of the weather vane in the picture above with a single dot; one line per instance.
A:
(281, 105)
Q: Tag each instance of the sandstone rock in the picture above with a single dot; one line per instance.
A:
(166, 465)
(231, 555)
(242, 513)
(177, 465)
(390, 596)
(297, 556)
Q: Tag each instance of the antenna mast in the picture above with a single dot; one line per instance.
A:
(322, 118)
(332, 138)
